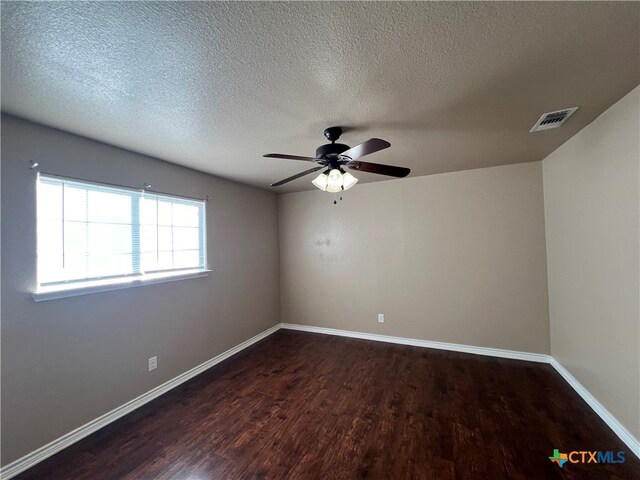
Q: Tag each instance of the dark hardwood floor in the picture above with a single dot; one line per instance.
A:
(308, 406)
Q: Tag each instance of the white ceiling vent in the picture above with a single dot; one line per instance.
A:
(553, 119)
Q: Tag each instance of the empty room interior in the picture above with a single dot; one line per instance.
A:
(320, 240)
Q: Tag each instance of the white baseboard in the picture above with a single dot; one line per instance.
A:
(613, 423)
(454, 347)
(74, 436)
(37, 456)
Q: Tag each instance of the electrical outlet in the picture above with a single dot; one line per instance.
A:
(381, 318)
(153, 363)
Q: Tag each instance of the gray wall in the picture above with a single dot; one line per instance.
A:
(457, 257)
(67, 361)
(591, 192)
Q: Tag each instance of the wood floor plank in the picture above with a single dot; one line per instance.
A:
(309, 406)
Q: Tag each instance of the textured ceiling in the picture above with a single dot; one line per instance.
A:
(213, 86)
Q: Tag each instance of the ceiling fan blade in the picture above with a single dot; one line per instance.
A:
(290, 157)
(298, 175)
(372, 145)
(380, 169)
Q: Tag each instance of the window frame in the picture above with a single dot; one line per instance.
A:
(138, 277)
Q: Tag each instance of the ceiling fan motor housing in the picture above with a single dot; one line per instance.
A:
(331, 150)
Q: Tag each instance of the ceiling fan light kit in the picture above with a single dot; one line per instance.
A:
(334, 181)
(334, 156)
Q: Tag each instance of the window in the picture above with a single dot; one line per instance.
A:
(91, 234)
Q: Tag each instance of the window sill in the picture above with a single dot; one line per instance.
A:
(98, 286)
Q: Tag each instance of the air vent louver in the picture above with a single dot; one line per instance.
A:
(553, 119)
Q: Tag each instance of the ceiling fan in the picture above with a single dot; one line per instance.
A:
(335, 156)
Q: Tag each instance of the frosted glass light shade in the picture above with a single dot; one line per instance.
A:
(321, 182)
(335, 178)
(348, 181)
(335, 181)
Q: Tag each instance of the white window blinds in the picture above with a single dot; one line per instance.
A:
(88, 231)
